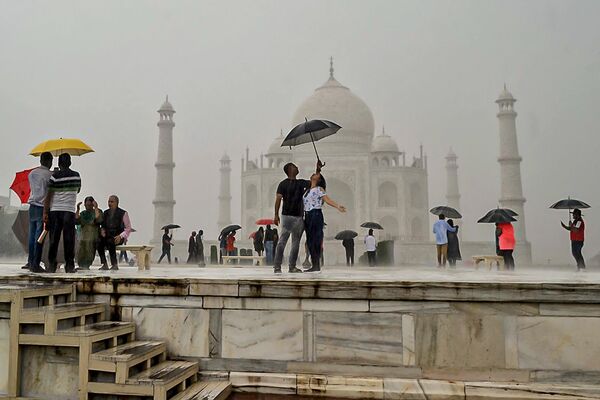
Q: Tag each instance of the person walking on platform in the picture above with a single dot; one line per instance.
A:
(441, 229)
(115, 230)
(371, 247)
(259, 236)
(577, 236)
(314, 223)
(38, 185)
(59, 212)
(290, 191)
(349, 248)
(200, 248)
(192, 249)
(453, 245)
(166, 246)
(506, 241)
(269, 244)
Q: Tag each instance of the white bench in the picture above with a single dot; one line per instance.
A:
(142, 254)
(489, 260)
(262, 260)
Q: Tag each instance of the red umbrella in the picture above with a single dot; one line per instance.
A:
(252, 235)
(264, 221)
(20, 185)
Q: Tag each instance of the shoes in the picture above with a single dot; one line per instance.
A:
(114, 268)
(294, 270)
(26, 266)
(38, 270)
(104, 267)
(313, 269)
(277, 270)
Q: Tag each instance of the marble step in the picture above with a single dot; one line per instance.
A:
(71, 337)
(61, 311)
(128, 352)
(205, 390)
(165, 373)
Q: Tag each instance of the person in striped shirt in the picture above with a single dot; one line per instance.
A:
(59, 212)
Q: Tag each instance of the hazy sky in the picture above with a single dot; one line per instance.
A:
(235, 71)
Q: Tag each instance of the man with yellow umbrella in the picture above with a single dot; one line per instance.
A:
(59, 205)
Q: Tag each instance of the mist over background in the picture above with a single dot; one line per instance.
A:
(235, 72)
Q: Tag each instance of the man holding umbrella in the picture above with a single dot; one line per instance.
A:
(577, 234)
(290, 191)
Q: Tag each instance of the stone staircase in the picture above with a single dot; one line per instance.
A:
(112, 363)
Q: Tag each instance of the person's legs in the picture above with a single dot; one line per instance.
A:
(314, 236)
(163, 254)
(576, 247)
(371, 258)
(269, 252)
(69, 240)
(351, 252)
(286, 227)
(511, 259)
(112, 253)
(438, 248)
(169, 255)
(102, 245)
(444, 254)
(347, 256)
(55, 230)
(297, 228)
(36, 216)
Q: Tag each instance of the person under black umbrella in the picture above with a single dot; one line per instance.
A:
(347, 238)
(166, 246)
(505, 233)
(576, 228)
(453, 245)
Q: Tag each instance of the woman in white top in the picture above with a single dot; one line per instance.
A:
(313, 218)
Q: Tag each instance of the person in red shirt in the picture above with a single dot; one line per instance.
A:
(230, 248)
(506, 241)
(577, 235)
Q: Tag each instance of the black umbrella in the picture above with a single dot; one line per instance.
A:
(228, 229)
(447, 211)
(170, 226)
(507, 210)
(371, 225)
(345, 235)
(310, 132)
(497, 215)
(569, 204)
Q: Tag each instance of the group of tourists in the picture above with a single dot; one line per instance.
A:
(265, 241)
(54, 212)
(195, 248)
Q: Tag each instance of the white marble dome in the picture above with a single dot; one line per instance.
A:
(335, 102)
(384, 144)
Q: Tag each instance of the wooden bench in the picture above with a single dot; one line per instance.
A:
(489, 260)
(262, 260)
(142, 254)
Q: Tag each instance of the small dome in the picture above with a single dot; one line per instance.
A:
(225, 157)
(275, 147)
(384, 144)
(167, 106)
(505, 95)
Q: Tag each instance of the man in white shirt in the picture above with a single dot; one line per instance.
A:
(371, 245)
(38, 184)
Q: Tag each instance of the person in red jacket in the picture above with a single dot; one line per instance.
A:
(506, 241)
(577, 235)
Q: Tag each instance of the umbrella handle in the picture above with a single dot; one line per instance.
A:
(315, 147)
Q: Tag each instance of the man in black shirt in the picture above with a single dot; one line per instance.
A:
(290, 190)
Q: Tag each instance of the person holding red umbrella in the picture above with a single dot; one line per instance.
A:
(38, 185)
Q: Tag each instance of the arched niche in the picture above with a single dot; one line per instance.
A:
(251, 196)
(387, 195)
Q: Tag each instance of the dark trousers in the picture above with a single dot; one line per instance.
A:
(313, 225)
(36, 226)
(509, 261)
(107, 243)
(576, 247)
(372, 256)
(62, 222)
(349, 256)
(165, 252)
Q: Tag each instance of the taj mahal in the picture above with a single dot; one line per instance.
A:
(366, 171)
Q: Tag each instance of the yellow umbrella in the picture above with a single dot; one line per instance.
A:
(74, 147)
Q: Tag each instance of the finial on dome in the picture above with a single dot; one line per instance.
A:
(167, 100)
(382, 130)
(504, 86)
(331, 68)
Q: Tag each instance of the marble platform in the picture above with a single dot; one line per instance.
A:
(400, 325)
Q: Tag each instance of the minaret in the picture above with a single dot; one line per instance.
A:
(452, 192)
(163, 198)
(511, 189)
(225, 193)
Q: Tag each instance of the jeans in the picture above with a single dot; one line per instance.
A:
(313, 224)
(576, 247)
(372, 257)
(294, 226)
(36, 226)
(62, 222)
(269, 252)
